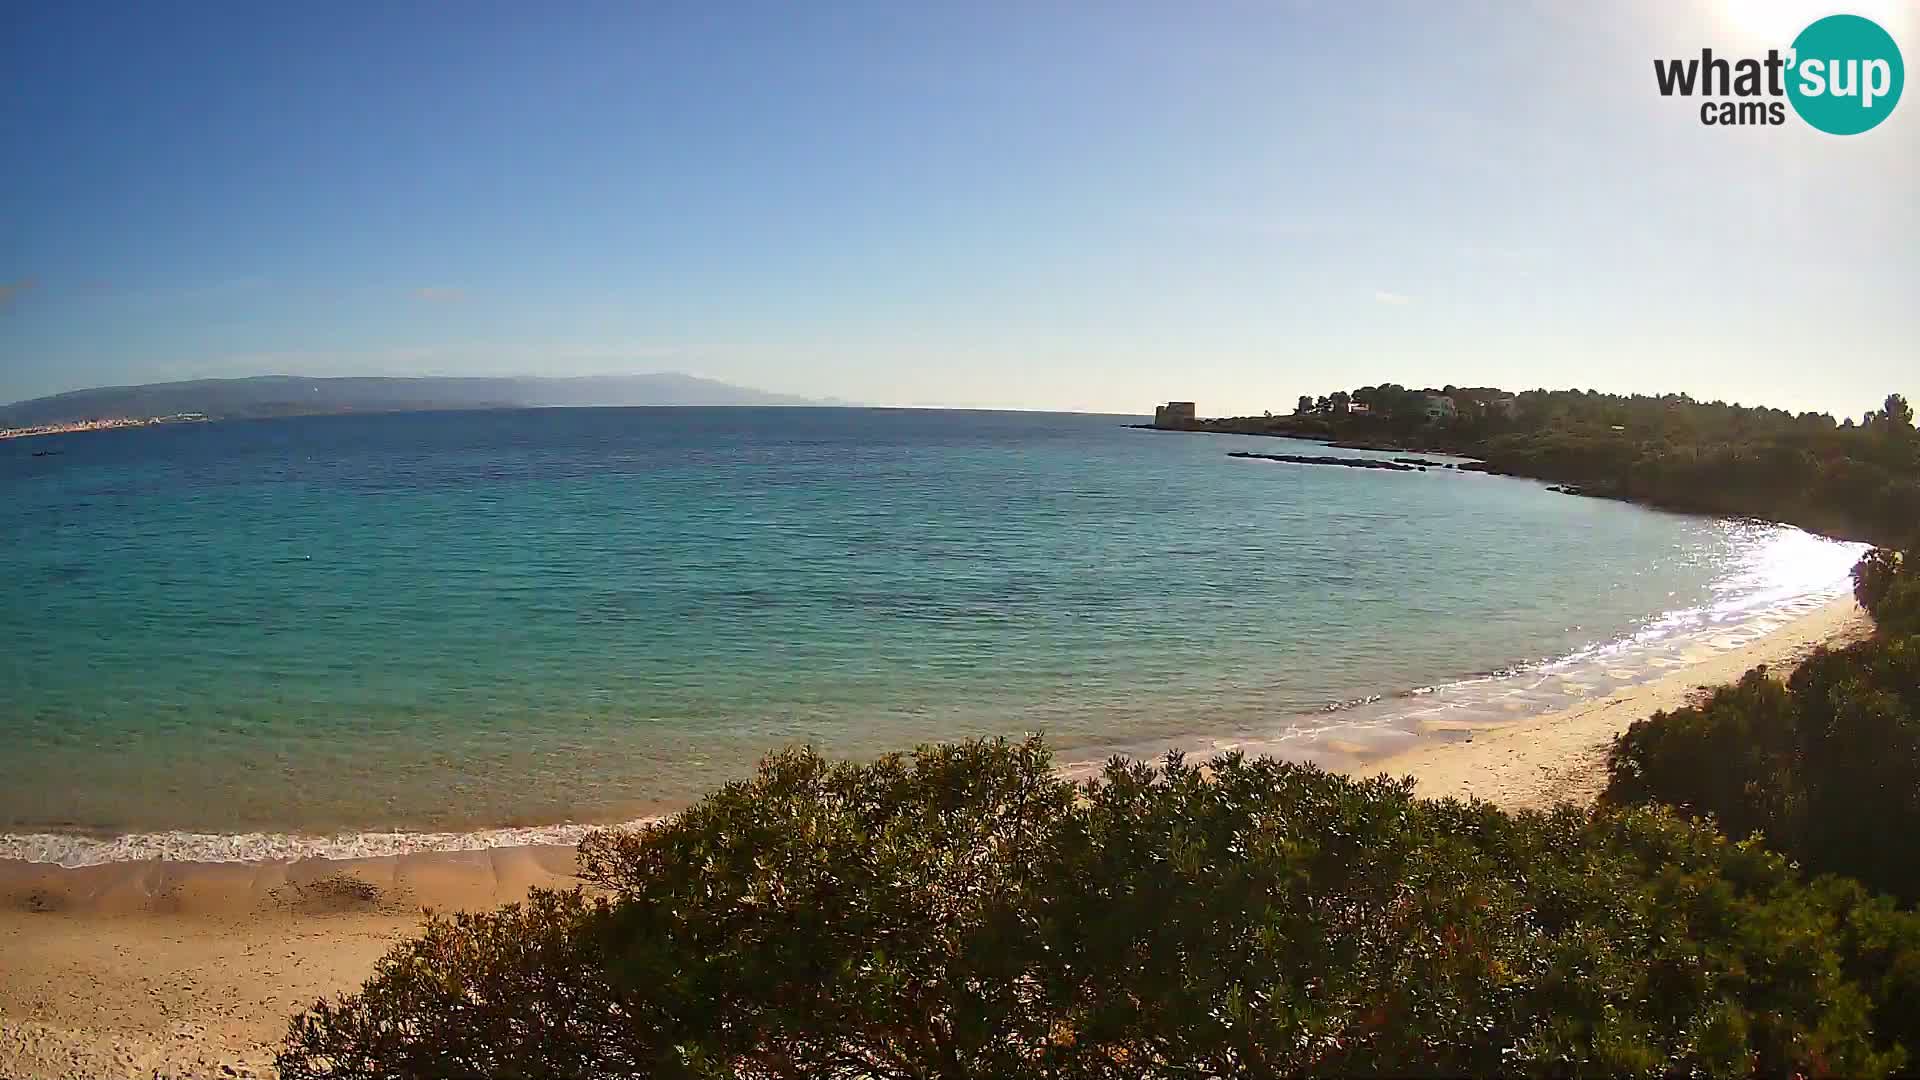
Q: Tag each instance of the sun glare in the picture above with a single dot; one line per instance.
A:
(1772, 22)
(1775, 23)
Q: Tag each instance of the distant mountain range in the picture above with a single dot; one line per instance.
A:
(294, 395)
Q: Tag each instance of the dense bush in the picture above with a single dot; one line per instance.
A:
(1887, 584)
(1825, 766)
(963, 912)
(1732, 755)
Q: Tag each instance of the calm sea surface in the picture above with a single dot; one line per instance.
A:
(462, 621)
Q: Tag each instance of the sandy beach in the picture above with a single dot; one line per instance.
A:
(193, 969)
(1558, 757)
(186, 970)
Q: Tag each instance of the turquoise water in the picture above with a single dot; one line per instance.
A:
(461, 621)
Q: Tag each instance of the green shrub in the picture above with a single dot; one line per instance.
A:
(1825, 767)
(963, 912)
(1887, 584)
(1858, 730)
(1731, 756)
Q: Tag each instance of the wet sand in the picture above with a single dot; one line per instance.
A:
(192, 969)
(1556, 757)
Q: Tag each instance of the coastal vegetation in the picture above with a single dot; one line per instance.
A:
(1824, 766)
(1887, 584)
(964, 912)
(1853, 479)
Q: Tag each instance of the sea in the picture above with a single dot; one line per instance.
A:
(368, 634)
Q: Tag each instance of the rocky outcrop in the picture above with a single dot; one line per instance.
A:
(1350, 463)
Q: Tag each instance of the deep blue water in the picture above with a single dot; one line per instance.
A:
(463, 620)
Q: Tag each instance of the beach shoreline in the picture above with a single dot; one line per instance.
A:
(182, 969)
(1560, 756)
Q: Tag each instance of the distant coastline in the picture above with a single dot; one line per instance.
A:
(100, 425)
(267, 396)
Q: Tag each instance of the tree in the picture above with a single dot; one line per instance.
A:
(1898, 413)
(1875, 577)
(965, 912)
(1887, 584)
(1304, 407)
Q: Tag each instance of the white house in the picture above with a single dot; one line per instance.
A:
(1441, 407)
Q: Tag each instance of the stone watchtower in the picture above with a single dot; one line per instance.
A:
(1174, 414)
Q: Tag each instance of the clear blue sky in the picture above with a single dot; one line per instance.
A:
(1081, 206)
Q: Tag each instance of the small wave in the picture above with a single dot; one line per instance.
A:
(1784, 575)
(73, 851)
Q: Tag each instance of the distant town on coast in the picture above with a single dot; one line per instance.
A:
(106, 424)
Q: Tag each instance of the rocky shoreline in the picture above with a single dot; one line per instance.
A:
(1396, 465)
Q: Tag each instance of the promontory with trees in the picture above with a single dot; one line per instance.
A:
(1741, 901)
(1848, 478)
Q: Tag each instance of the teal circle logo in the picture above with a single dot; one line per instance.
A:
(1846, 74)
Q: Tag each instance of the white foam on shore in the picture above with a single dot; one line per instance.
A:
(72, 850)
(1785, 574)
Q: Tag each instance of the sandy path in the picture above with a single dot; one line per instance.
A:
(190, 970)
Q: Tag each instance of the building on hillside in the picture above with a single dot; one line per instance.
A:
(1174, 414)
(1440, 407)
(1360, 408)
(1508, 407)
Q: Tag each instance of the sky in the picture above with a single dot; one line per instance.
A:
(1077, 206)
